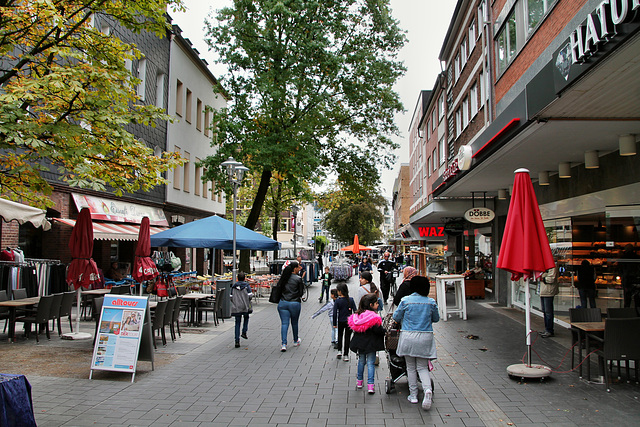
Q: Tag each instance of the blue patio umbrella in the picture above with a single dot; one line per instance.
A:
(213, 232)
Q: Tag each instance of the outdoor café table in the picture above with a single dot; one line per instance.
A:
(13, 307)
(89, 294)
(16, 405)
(193, 298)
(587, 329)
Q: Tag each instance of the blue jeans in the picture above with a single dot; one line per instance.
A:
(289, 311)
(244, 328)
(547, 310)
(324, 292)
(370, 360)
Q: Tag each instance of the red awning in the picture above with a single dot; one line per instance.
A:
(114, 231)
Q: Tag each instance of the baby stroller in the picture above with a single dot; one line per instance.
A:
(397, 365)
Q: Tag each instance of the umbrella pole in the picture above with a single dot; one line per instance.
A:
(77, 335)
(528, 321)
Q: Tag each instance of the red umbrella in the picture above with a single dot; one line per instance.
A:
(143, 266)
(83, 270)
(355, 248)
(525, 253)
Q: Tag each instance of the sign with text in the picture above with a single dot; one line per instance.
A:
(119, 211)
(479, 215)
(119, 333)
(431, 231)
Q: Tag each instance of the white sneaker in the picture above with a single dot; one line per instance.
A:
(426, 402)
(345, 358)
(339, 356)
(412, 399)
(284, 347)
(297, 343)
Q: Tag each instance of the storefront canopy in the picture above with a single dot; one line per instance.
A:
(114, 231)
(11, 211)
(213, 232)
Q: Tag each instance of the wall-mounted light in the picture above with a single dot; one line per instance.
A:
(564, 170)
(627, 145)
(502, 194)
(543, 178)
(591, 160)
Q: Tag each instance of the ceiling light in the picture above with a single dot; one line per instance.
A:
(627, 145)
(543, 178)
(591, 160)
(564, 170)
(502, 194)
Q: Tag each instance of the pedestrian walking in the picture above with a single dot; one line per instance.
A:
(586, 284)
(385, 268)
(367, 287)
(416, 314)
(326, 284)
(289, 305)
(548, 291)
(328, 307)
(342, 309)
(368, 338)
(241, 296)
(404, 289)
(365, 265)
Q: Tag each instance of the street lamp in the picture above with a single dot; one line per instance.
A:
(294, 212)
(235, 171)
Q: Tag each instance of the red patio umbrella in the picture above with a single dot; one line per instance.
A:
(525, 253)
(83, 270)
(143, 266)
(355, 248)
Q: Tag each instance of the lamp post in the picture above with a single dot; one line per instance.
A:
(294, 212)
(235, 171)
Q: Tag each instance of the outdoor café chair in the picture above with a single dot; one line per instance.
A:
(40, 317)
(157, 323)
(54, 311)
(65, 309)
(97, 310)
(621, 342)
(581, 315)
(19, 293)
(621, 313)
(168, 317)
(4, 311)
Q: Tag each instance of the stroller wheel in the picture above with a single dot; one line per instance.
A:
(388, 386)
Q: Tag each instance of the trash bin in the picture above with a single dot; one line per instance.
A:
(225, 304)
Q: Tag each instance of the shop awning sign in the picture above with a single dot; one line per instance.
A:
(479, 215)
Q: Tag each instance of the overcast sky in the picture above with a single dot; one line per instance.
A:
(426, 23)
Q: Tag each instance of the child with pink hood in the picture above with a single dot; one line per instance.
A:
(368, 338)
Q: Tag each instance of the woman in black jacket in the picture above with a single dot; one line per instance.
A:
(290, 303)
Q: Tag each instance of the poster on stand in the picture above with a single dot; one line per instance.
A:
(119, 333)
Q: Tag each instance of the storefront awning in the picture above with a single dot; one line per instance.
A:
(11, 211)
(113, 231)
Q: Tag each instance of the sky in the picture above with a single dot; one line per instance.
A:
(426, 23)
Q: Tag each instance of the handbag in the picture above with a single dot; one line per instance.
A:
(276, 294)
(175, 262)
(389, 277)
(161, 287)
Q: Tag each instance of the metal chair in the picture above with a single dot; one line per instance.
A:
(65, 309)
(157, 323)
(39, 317)
(621, 313)
(54, 311)
(96, 312)
(168, 318)
(19, 293)
(581, 315)
(621, 342)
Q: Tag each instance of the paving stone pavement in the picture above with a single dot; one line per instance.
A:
(215, 384)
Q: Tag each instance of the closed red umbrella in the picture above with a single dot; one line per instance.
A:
(143, 266)
(525, 253)
(83, 270)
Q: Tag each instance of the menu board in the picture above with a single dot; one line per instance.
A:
(119, 333)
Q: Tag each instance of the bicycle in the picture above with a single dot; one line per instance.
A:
(305, 295)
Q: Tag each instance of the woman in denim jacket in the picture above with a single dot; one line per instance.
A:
(416, 313)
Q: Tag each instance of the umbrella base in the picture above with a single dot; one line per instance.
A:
(76, 336)
(523, 371)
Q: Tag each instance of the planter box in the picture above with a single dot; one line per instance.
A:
(474, 288)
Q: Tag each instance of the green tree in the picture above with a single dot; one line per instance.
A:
(66, 95)
(349, 213)
(307, 79)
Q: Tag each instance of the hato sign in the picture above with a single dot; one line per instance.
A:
(479, 215)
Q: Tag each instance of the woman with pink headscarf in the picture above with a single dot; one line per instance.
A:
(404, 288)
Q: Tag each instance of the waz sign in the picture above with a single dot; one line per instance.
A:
(432, 231)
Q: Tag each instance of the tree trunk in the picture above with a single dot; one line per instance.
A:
(254, 216)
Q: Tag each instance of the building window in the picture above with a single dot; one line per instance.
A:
(188, 107)
(179, 98)
(429, 166)
(451, 150)
(458, 122)
(464, 53)
(441, 106)
(536, 9)
(207, 121)
(482, 88)
(197, 179)
(213, 194)
(507, 43)
(472, 35)
(429, 128)
(185, 168)
(457, 65)
(434, 156)
(177, 172)
(160, 90)
(465, 112)
(481, 15)
(199, 113)
(473, 99)
(142, 75)
(443, 151)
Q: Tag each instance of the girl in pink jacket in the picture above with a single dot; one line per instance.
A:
(368, 338)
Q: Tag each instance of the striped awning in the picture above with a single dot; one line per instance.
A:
(113, 231)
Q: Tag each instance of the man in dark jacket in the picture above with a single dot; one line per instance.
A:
(385, 266)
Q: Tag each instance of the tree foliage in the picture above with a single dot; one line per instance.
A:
(349, 213)
(66, 95)
(307, 79)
